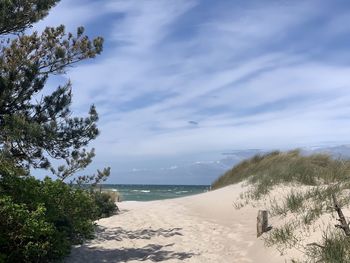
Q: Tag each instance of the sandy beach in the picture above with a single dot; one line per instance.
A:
(200, 228)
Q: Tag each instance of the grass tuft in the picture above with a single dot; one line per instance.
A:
(334, 248)
(282, 237)
(294, 201)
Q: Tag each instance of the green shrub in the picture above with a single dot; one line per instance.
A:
(26, 236)
(42, 219)
(105, 202)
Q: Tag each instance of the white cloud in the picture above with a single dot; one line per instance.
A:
(72, 14)
(242, 74)
(145, 22)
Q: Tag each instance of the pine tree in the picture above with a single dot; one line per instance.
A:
(33, 128)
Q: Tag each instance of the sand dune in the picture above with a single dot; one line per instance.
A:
(201, 228)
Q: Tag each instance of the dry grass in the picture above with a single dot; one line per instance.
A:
(114, 195)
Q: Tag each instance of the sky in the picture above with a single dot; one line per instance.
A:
(182, 81)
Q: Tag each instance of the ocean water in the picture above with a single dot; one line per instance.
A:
(154, 192)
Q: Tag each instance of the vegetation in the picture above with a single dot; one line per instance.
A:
(266, 171)
(335, 248)
(105, 202)
(283, 236)
(41, 219)
(308, 185)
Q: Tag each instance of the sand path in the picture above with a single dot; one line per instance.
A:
(201, 228)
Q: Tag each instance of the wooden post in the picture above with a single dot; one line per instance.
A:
(343, 223)
(262, 224)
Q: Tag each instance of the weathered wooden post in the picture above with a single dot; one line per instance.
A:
(262, 224)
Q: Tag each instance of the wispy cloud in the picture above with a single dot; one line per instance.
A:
(72, 14)
(254, 75)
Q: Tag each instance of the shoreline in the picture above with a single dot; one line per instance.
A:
(200, 228)
(154, 192)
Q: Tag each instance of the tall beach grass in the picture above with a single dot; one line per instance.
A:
(307, 183)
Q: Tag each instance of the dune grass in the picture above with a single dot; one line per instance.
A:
(283, 236)
(266, 171)
(308, 183)
(334, 248)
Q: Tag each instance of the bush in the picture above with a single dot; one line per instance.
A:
(40, 220)
(105, 202)
(27, 236)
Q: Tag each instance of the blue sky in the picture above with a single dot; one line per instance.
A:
(181, 81)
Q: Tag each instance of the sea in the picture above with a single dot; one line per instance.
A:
(154, 192)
